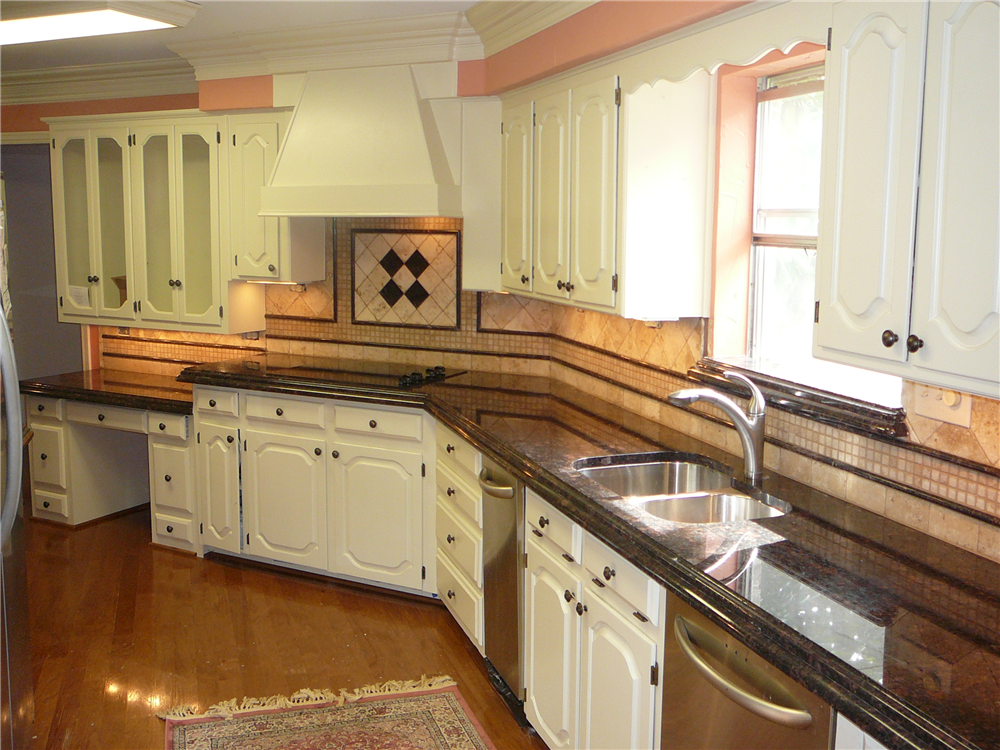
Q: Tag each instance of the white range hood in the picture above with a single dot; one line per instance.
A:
(385, 141)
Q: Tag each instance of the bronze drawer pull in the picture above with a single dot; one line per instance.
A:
(569, 595)
(598, 581)
(335, 454)
(318, 451)
(640, 617)
(450, 539)
(450, 492)
(211, 402)
(170, 529)
(373, 424)
(449, 448)
(543, 521)
(580, 608)
(537, 533)
(271, 268)
(568, 558)
(43, 456)
(100, 417)
(166, 477)
(45, 503)
(41, 407)
(279, 411)
(451, 594)
(162, 426)
(229, 438)
(609, 573)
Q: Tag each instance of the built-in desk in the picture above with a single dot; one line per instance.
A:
(106, 441)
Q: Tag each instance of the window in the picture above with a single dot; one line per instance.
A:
(781, 298)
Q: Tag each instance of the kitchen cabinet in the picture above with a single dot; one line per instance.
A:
(172, 482)
(906, 285)
(266, 248)
(376, 514)
(550, 236)
(284, 498)
(217, 458)
(516, 192)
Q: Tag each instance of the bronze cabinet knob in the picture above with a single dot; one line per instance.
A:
(271, 268)
(279, 411)
(450, 539)
(913, 342)
(162, 426)
(43, 456)
(211, 402)
(318, 451)
(41, 407)
(166, 477)
(373, 424)
(335, 454)
(449, 448)
(543, 521)
(450, 492)
(170, 529)
(568, 595)
(100, 417)
(889, 338)
(524, 279)
(609, 573)
(229, 438)
(560, 285)
(45, 503)
(451, 594)
(580, 608)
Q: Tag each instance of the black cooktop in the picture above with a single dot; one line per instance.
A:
(350, 371)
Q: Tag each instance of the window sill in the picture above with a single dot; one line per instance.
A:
(821, 406)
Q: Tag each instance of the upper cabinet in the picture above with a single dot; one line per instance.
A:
(605, 193)
(910, 285)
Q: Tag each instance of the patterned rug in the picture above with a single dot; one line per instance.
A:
(425, 714)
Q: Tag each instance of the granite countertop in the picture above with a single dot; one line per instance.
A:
(897, 630)
(134, 390)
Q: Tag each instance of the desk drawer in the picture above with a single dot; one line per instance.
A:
(49, 505)
(367, 421)
(48, 408)
(463, 545)
(283, 410)
(171, 425)
(208, 401)
(112, 417)
(48, 455)
(458, 450)
(173, 532)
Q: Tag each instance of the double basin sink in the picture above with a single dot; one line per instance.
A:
(681, 488)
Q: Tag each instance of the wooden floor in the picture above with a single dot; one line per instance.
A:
(121, 629)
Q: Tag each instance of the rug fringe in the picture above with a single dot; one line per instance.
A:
(307, 696)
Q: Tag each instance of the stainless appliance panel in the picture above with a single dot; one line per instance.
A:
(503, 582)
(719, 694)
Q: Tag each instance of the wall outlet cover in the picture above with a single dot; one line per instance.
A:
(943, 405)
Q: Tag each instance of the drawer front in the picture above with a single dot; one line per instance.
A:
(547, 522)
(171, 425)
(47, 408)
(465, 604)
(48, 455)
(112, 417)
(174, 532)
(279, 410)
(50, 505)
(617, 574)
(406, 425)
(458, 450)
(463, 545)
(465, 498)
(171, 478)
(208, 401)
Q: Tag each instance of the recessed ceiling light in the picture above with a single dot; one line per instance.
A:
(47, 21)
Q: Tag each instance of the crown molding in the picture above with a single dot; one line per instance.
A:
(106, 81)
(501, 24)
(440, 37)
(26, 137)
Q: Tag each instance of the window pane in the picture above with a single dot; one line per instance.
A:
(784, 303)
(789, 139)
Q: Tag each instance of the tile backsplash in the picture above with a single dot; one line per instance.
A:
(630, 364)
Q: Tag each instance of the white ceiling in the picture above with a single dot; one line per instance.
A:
(215, 19)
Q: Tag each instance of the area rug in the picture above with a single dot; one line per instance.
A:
(424, 714)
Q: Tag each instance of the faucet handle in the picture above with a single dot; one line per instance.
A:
(757, 403)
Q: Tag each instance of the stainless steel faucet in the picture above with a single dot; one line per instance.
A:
(750, 426)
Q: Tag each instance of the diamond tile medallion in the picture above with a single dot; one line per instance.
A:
(405, 278)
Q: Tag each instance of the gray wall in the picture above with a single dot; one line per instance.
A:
(43, 345)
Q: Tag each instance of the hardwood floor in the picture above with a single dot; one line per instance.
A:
(121, 629)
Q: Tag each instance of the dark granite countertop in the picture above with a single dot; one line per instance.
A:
(897, 630)
(116, 388)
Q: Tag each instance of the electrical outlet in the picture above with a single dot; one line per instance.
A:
(123, 331)
(945, 406)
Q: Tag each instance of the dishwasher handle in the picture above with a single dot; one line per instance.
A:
(795, 718)
(498, 491)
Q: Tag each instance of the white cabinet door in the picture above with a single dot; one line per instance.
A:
(517, 182)
(71, 211)
(253, 149)
(284, 498)
(956, 296)
(112, 212)
(376, 514)
(552, 185)
(871, 132)
(552, 649)
(616, 701)
(594, 173)
(218, 467)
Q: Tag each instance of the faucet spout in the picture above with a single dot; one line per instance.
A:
(749, 426)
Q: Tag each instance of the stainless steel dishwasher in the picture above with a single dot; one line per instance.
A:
(503, 582)
(719, 694)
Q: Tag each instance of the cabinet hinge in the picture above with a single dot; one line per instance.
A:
(614, 283)
(618, 97)
(248, 540)
(525, 560)
(244, 446)
(199, 437)
(218, 136)
(201, 528)
(53, 143)
(423, 572)
(534, 119)
(501, 269)
(135, 307)
(654, 674)
(236, 260)
(816, 314)
(140, 305)
(829, 38)
(220, 311)
(234, 139)
(60, 301)
(423, 470)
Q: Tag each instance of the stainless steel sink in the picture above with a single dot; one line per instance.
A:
(656, 478)
(710, 507)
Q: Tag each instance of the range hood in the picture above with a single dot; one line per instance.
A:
(384, 141)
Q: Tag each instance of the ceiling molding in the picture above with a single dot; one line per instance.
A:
(89, 82)
(26, 137)
(440, 37)
(501, 23)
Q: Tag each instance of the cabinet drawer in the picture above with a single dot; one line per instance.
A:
(406, 425)
(458, 450)
(48, 455)
(49, 408)
(280, 410)
(173, 531)
(217, 402)
(465, 498)
(617, 574)
(113, 417)
(50, 505)
(171, 425)
(545, 521)
(465, 604)
(463, 545)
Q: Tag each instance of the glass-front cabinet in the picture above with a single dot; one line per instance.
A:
(90, 171)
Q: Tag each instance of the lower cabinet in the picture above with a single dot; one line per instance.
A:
(284, 498)
(218, 471)
(376, 514)
(171, 490)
